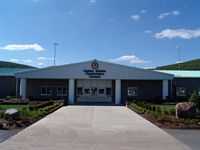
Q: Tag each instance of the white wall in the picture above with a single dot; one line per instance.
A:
(117, 92)
(165, 89)
(23, 88)
(71, 93)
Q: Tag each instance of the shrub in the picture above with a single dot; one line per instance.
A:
(156, 115)
(166, 112)
(10, 97)
(2, 115)
(158, 109)
(147, 107)
(150, 108)
(136, 108)
(141, 104)
(34, 114)
(172, 112)
(41, 105)
(153, 108)
(195, 99)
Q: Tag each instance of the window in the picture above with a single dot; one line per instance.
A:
(45, 91)
(79, 91)
(93, 91)
(87, 91)
(132, 91)
(61, 91)
(181, 91)
(101, 91)
(108, 91)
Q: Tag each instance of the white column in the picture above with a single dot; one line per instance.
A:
(16, 86)
(165, 89)
(71, 91)
(117, 92)
(23, 88)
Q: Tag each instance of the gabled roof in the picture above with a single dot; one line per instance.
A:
(12, 71)
(77, 71)
(182, 73)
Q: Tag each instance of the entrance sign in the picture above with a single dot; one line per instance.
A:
(94, 72)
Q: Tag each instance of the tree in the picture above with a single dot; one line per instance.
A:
(195, 99)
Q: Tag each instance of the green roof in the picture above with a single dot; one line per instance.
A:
(12, 71)
(182, 73)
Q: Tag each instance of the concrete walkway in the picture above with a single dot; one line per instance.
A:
(188, 136)
(92, 128)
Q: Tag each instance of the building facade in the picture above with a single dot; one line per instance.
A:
(184, 83)
(94, 82)
(8, 81)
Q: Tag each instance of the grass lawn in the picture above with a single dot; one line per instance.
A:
(165, 106)
(19, 107)
(154, 108)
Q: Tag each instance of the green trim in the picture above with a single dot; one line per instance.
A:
(182, 73)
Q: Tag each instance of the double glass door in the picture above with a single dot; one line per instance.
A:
(94, 90)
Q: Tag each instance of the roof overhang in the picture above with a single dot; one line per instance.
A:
(94, 69)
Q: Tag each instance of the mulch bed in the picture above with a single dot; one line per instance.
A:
(170, 122)
(22, 122)
(13, 102)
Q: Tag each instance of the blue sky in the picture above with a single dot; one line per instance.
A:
(140, 33)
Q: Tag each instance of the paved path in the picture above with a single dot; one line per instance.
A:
(6, 134)
(92, 128)
(189, 137)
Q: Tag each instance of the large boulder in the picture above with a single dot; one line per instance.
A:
(11, 113)
(185, 110)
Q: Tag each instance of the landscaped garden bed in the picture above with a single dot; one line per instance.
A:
(164, 115)
(25, 114)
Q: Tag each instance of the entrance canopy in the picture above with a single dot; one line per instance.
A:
(94, 69)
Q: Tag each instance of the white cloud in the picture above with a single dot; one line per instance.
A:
(40, 64)
(44, 58)
(41, 61)
(148, 31)
(21, 60)
(176, 12)
(23, 47)
(14, 60)
(163, 15)
(27, 61)
(166, 14)
(143, 11)
(129, 59)
(41, 58)
(92, 1)
(135, 17)
(178, 62)
(178, 33)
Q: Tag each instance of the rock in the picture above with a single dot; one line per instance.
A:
(11, 113)
(185, 110)
(4, 124)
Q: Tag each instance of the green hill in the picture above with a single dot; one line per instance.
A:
(4, 64)
(188, 65)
